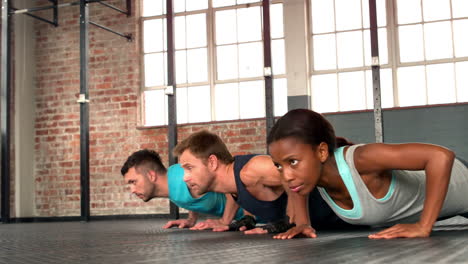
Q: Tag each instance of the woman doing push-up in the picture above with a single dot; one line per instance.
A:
(406, 186)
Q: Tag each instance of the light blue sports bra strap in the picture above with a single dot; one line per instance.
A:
(347, 178)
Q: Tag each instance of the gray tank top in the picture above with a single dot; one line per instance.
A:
(404, 200)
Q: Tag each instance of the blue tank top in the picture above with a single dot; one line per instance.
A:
(210, 203)
(264, 211)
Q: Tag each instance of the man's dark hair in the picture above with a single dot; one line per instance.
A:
(144, 160)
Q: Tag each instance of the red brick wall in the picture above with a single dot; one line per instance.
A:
(115, 68)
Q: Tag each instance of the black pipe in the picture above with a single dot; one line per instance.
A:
(268, 75)
(129, 8)
(171, 98)
(54, 23)
(84, 110)
(127, 36)
(113, 7)
(54, 6)
(5, 107)
(378, 118)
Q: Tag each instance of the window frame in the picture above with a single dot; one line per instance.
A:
(393, 51)
(212, 81)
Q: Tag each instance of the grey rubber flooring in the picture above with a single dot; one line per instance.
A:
(144, 241)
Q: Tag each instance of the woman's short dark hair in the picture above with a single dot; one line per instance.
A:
(307, 126)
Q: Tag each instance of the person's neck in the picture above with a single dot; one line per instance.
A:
(330, 178)
(225, 181)
(162, 188)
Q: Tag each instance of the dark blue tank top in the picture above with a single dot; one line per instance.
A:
(264, 211)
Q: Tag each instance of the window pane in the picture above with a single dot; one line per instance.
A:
(409, 11)
(182, 105)
(154, 35)
(440, 83)
(278, 56)
(350, 49)
(227, 101)
(247, 1)
(226, 58)
(324, 52)
(352, 91)
(381, 13)
(411, 43)
(155, 69)
(179, 32)
(154, 7)
(462, 81)
(438, 40)
(280, 96)
(460, 37)
(325, 93)
(197, 65)
(226, 27)
(196, 31)
(459, 8)
(348, 14)
(436, 9)
(383, 51)
(249, 24)
(199, 104)
(155, 108)
(276, 20)
(323, 16)
(219, 3)
(181, 66)
(252, 99)
(179, 5)
(191, 5)
(386, 89)
(411, 86)
(250, 60)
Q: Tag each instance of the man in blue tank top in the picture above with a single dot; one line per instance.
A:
(149, 179)
(254, 183)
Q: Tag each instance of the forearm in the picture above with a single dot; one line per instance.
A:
(192, 216)
(438, 173)
(230, 210)
(298, 209)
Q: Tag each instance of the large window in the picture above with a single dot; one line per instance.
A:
(422, 45)
(219, 60)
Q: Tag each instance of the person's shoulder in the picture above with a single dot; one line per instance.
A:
(260, 158)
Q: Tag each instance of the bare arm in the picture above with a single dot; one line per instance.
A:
(192, 217)
(435, 160)
(297, 208)
(183, 223)
(230, 210)
(221, 224)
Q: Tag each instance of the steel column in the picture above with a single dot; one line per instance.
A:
(171, 94)
(268, 73)
(5, 102)
(84, 110)
(378, 118)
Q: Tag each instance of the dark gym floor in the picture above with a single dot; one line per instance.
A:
(144, 241)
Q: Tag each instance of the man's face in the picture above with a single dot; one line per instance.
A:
(197, 175)
(140, 184)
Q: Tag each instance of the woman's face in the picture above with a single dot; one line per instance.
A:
(300, 164)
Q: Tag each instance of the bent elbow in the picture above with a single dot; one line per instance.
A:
(448, 156)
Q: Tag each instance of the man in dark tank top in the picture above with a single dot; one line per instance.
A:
(254, 183)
